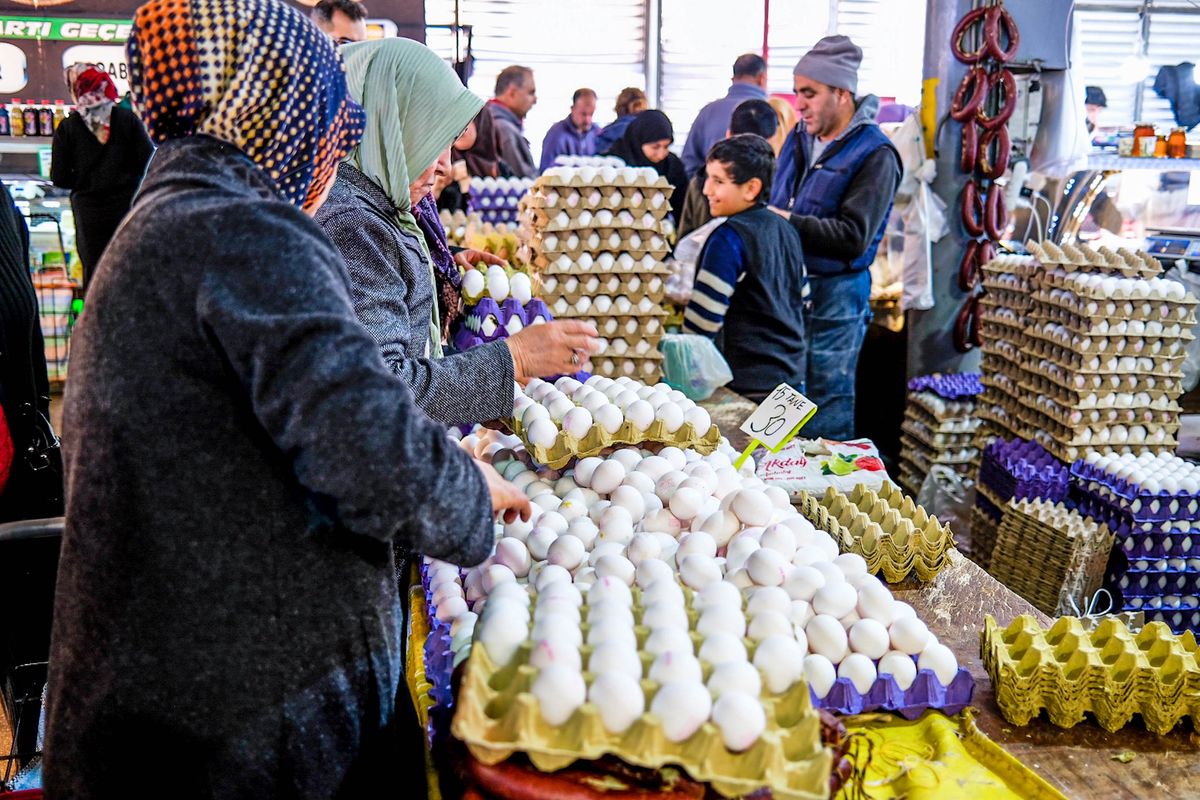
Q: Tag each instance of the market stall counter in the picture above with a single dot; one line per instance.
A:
(1085, 761)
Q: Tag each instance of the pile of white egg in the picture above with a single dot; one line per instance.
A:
(1151, 472)
(588, 161)
(768, 601)
(570, 406)
(497, 285)
(609, 175)
(1100, 285)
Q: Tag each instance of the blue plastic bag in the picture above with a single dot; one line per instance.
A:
(693, 365)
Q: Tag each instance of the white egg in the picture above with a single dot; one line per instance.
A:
(615, 656)
(859, 670)
(521, 288)
(577, 422)
(616, 566)
(513, 554)
(618, 699)
(780, 660)
(721, 618)
(721, 525)
(660, 520)
(610, 418)
(767, 567)
(752, 507)
(740, 718)
(734, 676)
(869, 637)
(641, 547)
(610, 589)
(835, 600)
(779, 538)
(769, 623)
(671, 415)
(670, 666)
(497, 283)
(768, 598)
(686, 503)
(721, 593)
(820, 674)
(559, 691)
(803, 582)
(940, 659)
(606, 477)
(851, 564)
(501, 634)
(698, 571)
(875, 602)
(827, 637)
(699, 419)
(900, 666)
(681, 707)
(722, 648)
(909, 635)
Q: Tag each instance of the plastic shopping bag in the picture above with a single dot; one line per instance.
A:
(693, 365)
(949, 496)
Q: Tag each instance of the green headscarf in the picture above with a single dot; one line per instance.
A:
(416, 107)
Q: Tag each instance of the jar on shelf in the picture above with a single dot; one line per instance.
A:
(1177, 144)
(1145, 139)
(1160, 147)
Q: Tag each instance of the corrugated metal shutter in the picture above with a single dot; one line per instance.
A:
(1107, 39)
(795, 28)
(700, 41)
(891, 34)
(568, 44)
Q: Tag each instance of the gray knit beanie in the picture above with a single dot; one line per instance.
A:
(833, 61)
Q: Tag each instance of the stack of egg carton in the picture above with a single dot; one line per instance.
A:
(497, 200)
(939, 427)
(1050, 554)
(1152, 502)
(1010, 470)
(1005, 305)
(1110, 672)
(1098, 360)
(598, 236)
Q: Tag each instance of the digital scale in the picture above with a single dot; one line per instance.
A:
(1169, 245)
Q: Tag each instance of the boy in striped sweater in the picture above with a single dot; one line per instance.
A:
(751, 285)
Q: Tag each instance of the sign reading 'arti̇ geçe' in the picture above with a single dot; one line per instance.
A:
(64, 29)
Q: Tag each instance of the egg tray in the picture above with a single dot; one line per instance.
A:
(1074, 258)
(1002, 324)
(1131, 497)
(644, 369)
(1164, 311)
(937, 440)
(497, 716)
(1160, 400)
(982, 541)
(634, 312)
(642, 268)
(625, 222)
(940, 409)
(542, 259)
(909, 478)
(1159, 365)
(892, 534)
(1157, 545)
(1010, 263)
(1082, 347)
(573, 288)
(950, 425)
(949, 385)
(1084, 435)
(1023, 470)
(1048, 554)
(553, 178)
(1076, 283)
(1043, 318)
(597, 440)
(1096, 418)
(1109, 672)
(598, 198)
(632, 340)
(1080, 382)
(1158, 583)
(930, 455)
(885, 694)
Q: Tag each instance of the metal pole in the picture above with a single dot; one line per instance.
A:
(766, 29)
(653, 60)
(1144, 33)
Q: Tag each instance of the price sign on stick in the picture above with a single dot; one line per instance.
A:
(776, 421)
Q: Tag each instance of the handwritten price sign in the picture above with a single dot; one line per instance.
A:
(777, 420)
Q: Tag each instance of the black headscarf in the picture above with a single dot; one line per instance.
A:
(653, 126)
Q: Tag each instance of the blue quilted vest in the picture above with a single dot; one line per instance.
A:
(821, 193)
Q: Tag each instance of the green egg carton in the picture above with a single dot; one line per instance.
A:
(1109, 672)
(497, 716)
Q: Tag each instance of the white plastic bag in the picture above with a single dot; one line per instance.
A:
(693, 365)
(949, 496)
(684, 260)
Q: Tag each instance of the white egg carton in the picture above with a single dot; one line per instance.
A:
(1073, 258)
(644, 224)
(550, 200)
(585, 263)
(603, 176)
(604, 292)
(644, 310)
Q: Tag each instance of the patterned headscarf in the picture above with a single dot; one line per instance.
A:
(254, 73)
(95, 95)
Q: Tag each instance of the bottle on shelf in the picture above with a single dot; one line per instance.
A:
(1177, 143)
(60, 113)
(31, 120)
(46, 119)
(5, 127)
(1160, 147)
(17, 119)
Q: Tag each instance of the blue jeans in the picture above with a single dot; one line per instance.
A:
(841, 309)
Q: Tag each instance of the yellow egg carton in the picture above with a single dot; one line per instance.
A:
(613, 286)
(1074, 258)
(892, 534)
(575, 177)
(496, 716)
(567, 447)
(1109, 672)
(1050, 554)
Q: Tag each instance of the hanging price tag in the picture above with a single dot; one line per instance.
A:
(777, 420)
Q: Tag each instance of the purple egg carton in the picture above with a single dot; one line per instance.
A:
(1102, 504)
(948, 385)
(1158, 583)
(1137, 544)
(1023, 470)
(987, 507)
(885, 694)
(1140, 504)
(537, 308)
(1177, 619)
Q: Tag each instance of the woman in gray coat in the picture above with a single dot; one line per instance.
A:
(416, 107)
(239, 459)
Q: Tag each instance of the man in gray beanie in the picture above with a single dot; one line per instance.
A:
(836, 179)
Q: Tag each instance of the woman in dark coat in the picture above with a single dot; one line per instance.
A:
(240, 462)
(645, 143)
(100, 152)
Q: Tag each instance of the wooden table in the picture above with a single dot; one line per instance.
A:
(1079, 761)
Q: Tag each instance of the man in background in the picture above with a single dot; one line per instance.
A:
(344, 21)
(574, 136)
(1094, 102)
(838, 175)
(712, 123)
(516, 93)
